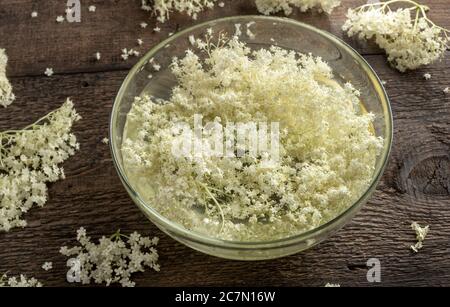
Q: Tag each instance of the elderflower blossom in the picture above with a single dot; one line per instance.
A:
(29, 159)
(49, 72)
(113, 260)
(126, 53)
(19, 282)
(327, 151)
(47, 266)
(6, 93)
(409, 43)
(421, 233)
(268, 7)
(162, 8)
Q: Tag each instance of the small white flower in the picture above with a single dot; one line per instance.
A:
(105, 141)
(427, 76)
(126, 53)
(98, 56)
(140, 41)
(34, 14)
(60, 19)
(221, 4)
(143, 25)
(156, 67)
(49, 72)
(157, 29)
(92, 8)
(47, 266)
(421, 233)
(446, 90)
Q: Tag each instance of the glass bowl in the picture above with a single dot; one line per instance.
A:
(347, 65)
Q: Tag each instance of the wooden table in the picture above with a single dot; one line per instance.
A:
(415, 186)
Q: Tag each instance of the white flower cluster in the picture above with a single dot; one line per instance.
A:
(421, 233)
(111, 260)
(20, 282)
(6, 94)
(162, 8)
(268, 7)
(30, 158)
(409, 43)
(327, 152)
(126, 53)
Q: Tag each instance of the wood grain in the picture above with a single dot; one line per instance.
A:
(34, 44)
(415, 186)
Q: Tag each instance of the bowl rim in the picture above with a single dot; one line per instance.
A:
(177, 229)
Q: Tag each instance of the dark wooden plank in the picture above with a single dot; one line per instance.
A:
(36, 43)
(415, 187)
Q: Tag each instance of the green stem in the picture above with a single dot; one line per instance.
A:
(385, 4)
(31, 126)
(416, 20)
(7, 137)
(417, 6)
(217, 204)
(117, 235)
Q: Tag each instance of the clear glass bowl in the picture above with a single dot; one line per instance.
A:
(347, 65)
